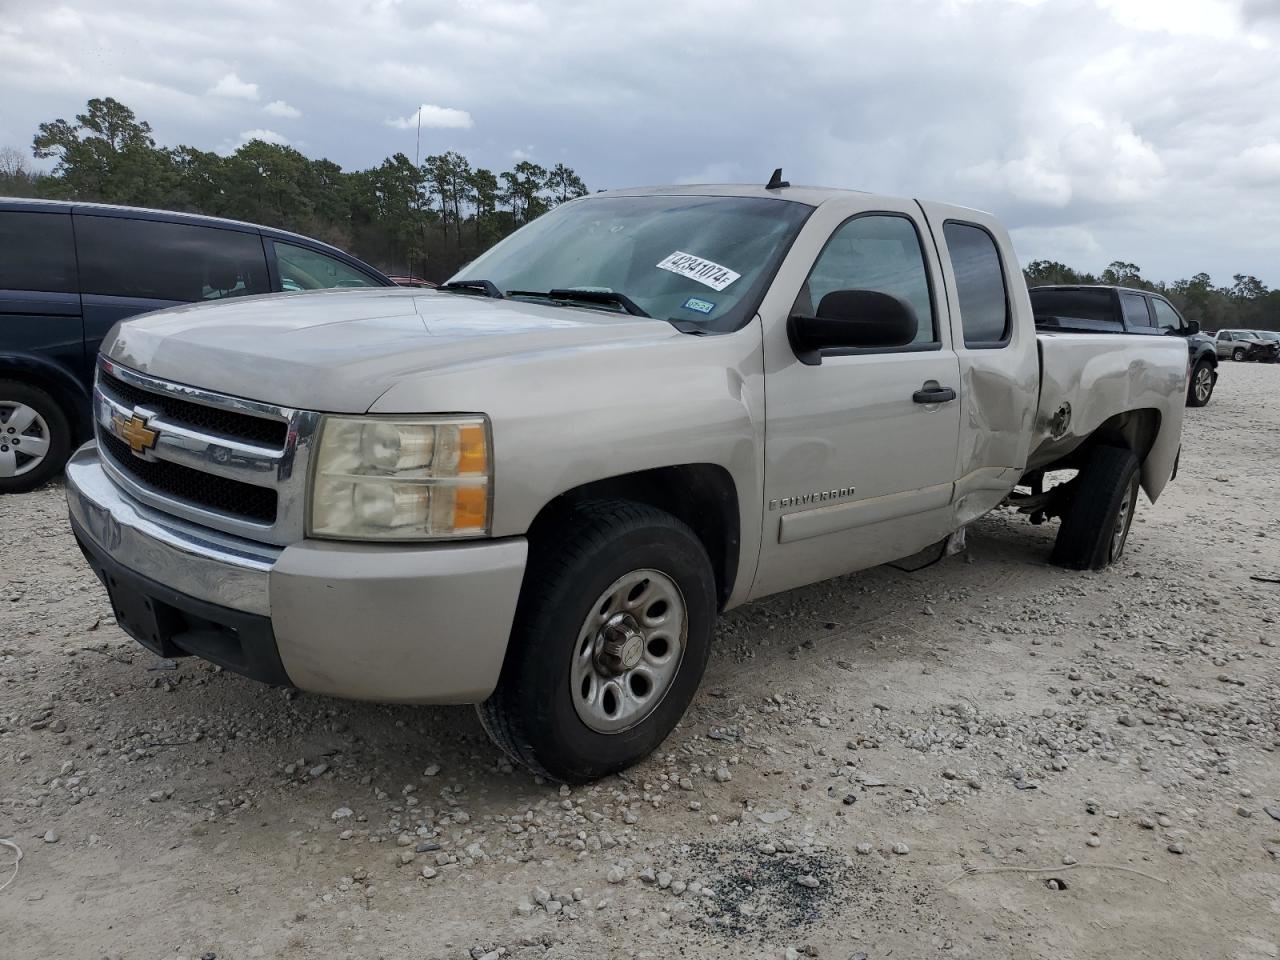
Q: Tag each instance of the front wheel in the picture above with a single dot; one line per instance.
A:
(612, 635)
(1201, 388)
(1095, 527)
(1237, 354)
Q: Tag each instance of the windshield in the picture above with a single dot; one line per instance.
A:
(1266, 335)
(700, 260)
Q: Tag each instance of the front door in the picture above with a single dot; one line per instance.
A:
(859, 460)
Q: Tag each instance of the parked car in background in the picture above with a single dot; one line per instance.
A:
(70, 271)
(414, 282)
(1105, 309)
(1272, 337)
(1246, 345)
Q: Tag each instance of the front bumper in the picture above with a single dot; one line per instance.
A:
(398, 624)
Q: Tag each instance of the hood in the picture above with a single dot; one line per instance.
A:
(337, 351)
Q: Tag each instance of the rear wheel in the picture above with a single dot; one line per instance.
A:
(1201, 387)
(35, 437)
(611, 638)
(1095, 527)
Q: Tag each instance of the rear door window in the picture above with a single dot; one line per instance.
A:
(1166, 317)
(153, 260)
(1135, 310)
(37, 252)
(984, 301)
(304, 269)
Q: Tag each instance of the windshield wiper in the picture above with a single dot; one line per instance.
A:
(485, 288)
(584, 296)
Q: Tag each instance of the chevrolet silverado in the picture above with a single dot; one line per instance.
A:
(535, 488)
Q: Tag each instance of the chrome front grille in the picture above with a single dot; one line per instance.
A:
(231, 464)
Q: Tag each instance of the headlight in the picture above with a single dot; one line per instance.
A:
(381, 479)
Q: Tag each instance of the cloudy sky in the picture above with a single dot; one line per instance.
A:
(1145, 130)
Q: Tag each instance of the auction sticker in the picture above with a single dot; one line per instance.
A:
(705, 272)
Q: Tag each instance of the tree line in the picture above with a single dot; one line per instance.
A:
(427, 218)
(1246, 303)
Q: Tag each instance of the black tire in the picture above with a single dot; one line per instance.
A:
(59, 436)
(1203, 369)
(1089, 538)
(1237, 354)
(531, 715)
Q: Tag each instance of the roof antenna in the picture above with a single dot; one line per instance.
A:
(776, 182)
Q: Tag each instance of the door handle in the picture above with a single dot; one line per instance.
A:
(931, 392)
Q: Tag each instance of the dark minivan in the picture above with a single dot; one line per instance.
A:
(69, 271)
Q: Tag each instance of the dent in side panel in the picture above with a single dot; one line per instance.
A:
(1101, 375)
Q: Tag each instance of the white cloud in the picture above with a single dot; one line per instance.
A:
(1145, 123)
(522, 153)
(434, 117)
(266, 136)
(1258, 166)
(722, 171)
(278, 108)
(1064, 244)
(1204, 18)
(234, 88)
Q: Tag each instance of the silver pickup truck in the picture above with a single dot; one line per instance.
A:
(536, 488)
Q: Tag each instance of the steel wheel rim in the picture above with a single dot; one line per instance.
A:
(628, 651)
(24, 438)
(1204, 382)
(1124, 518)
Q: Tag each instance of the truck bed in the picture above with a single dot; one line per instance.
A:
(1086, 378)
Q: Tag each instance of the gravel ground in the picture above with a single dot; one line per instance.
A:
(987, 758)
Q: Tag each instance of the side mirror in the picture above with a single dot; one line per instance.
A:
(1192, 328)
(852, 318)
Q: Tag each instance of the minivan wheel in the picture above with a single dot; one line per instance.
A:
(35, 438)
(611, 638)
(1202, 382)
(1095, 527)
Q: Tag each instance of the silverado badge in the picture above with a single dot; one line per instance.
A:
(134, 432)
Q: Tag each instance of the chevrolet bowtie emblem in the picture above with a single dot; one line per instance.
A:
(135, 432)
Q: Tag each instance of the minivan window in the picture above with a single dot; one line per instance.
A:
(149, 259)
(305, 269)
(880, 253)
(37, 252)
(1166, 317)
(984, 301)
(1135, 310)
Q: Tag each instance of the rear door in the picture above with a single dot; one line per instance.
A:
(1137, 313)
(131, 265)
(39, 296)
(993, 330)
(857, 472)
